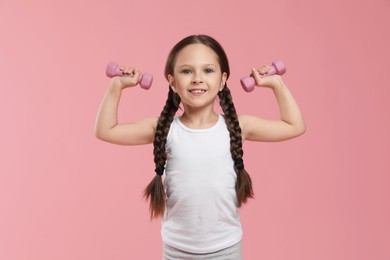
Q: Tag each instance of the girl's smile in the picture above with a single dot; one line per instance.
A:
(197, 91)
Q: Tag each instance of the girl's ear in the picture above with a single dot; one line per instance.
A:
(223, 81)
(171, 82)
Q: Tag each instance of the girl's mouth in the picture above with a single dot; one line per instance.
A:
(197, 91)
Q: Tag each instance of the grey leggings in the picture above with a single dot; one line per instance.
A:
(230, 253)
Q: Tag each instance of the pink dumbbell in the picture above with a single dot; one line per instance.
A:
(113, 69)
(278, 67)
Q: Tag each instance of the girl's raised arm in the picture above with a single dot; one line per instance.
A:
(291, 123)
(107, 127)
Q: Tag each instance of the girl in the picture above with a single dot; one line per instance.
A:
(199, 151)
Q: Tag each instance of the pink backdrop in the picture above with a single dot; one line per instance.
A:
(65, 195)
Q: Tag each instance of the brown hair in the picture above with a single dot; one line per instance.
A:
(155, 190)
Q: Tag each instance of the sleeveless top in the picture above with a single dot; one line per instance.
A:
(201, 214)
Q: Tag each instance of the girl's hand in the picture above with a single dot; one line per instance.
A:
(262, 80)
(130, 77)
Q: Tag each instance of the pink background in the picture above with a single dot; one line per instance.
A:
(66, 195)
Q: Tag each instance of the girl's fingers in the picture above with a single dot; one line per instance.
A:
(256, 75)
(127, 70)
(263, 70)
(137, 72)
(259, 73)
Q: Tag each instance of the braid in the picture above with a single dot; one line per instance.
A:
(155, 189)
(243, 184)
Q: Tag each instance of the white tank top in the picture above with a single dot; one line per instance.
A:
(201, 214)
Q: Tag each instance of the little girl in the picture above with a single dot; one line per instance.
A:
(199, 151)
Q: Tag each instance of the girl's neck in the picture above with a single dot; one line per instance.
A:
(199, 119)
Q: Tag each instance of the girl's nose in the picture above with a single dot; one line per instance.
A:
(197, 80)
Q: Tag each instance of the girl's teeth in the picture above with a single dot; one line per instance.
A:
(197, 91)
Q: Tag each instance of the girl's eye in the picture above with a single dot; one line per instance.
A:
(186, 71)
(209, 70)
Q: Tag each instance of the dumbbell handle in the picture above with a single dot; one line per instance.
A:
(113, 69)
(249, 83)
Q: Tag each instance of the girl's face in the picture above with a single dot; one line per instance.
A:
(197, 76)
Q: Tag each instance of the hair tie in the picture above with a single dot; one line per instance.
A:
(160, 170)
(239, 164)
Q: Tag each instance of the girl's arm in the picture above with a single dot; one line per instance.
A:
(107, 127)
(291, 123)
